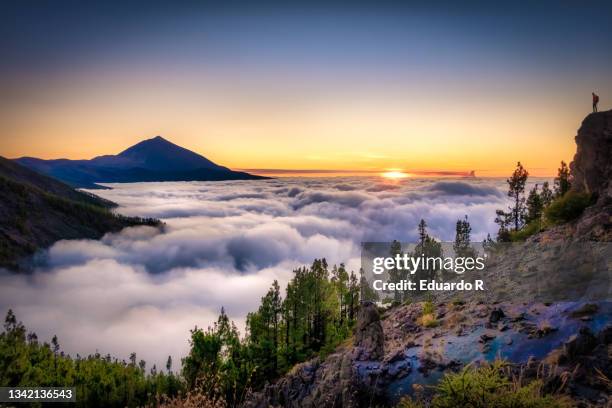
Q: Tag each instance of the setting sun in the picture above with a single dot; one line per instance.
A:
(394, 174)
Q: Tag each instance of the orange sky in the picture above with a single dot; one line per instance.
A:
(272, 127)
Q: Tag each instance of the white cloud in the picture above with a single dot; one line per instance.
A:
(224, 243)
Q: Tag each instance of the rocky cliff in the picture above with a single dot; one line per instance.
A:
(591, 172)
(592, 165)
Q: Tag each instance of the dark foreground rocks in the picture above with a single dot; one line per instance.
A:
(551, 343)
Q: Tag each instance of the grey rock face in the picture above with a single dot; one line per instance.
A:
(580, 344)
(369, 335)
(592, 165)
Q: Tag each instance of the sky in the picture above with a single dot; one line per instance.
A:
(409, 86)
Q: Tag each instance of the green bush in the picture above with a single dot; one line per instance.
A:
(487, 386)
(528, 230)
(428, 307)
(567, 208)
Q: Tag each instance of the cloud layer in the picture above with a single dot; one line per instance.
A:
(224, 243)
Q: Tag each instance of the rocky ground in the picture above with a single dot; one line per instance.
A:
(554, 337)
(567, 345)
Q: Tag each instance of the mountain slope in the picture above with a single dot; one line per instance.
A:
(13, 171)
(154, 159)
(36, 211)
(562, 344)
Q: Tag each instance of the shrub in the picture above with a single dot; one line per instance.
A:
(567, 207)
(488, 386)
(428, 307)
(428, 320)
(198, 398)
(528, 230)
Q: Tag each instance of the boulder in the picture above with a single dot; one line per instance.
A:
(580, 344)
(496, 315)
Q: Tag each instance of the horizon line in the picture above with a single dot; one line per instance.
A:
(295, 172)
(276, 172)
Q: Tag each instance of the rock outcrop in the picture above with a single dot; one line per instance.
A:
(312, 384)
(592, 165)
(591, 171)
(369, 337)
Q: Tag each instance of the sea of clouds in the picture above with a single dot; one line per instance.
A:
(223, 244)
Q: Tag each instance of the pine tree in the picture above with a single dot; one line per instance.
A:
(562, 181)
(516, 190)
(55, 347)
(546, 195)
(422, 232)
(276, 305)
(427, 247)
(503, 219)
(353, 298)
(366, 292)
(515, 216)
(534, 205)
(462, 246)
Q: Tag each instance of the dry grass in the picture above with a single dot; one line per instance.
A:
(428, 320)
(207, 393)
(193, 399)
(455, 318)
(346, 343)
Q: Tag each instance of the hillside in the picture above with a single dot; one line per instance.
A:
(36, 211)
(553, 331)
(155, 159)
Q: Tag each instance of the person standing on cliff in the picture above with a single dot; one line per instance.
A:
(595, 101)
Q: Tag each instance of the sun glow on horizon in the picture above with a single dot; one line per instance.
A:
(394, 174)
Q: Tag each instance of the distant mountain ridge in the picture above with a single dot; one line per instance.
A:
(155, 159)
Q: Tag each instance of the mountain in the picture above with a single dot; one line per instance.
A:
(155, 159)
(36, 211)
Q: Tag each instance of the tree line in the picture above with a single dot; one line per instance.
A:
(100, 380)
(317, 311)
(541, 207)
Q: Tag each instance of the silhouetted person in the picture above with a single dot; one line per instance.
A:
(595, 101)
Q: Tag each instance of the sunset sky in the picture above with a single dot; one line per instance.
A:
(412, 87)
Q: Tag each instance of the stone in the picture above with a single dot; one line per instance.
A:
(502, 327)
(591, 168)
(580, 344)
(585, 310)
(605, 335)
